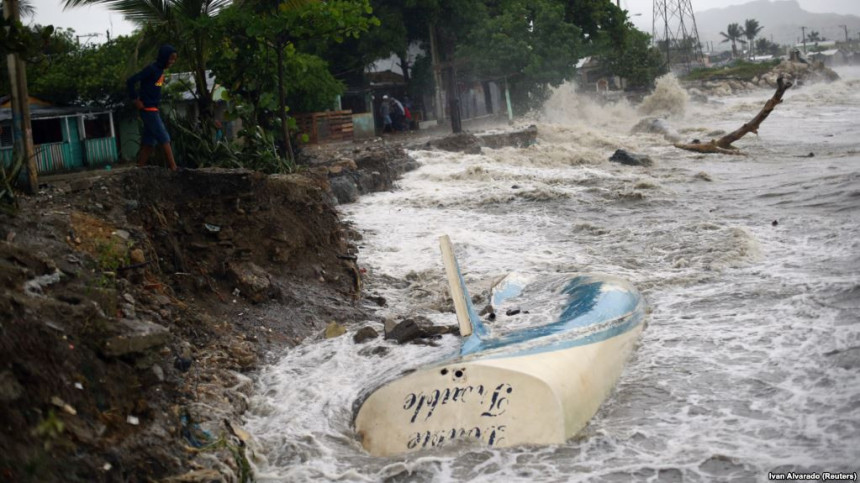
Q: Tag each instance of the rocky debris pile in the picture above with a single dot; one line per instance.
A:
(417, 330)
(623, 157)
(365, 170)
(133, 303)
(655, 125)
(469, 143)
(413, 329)
(798, 72)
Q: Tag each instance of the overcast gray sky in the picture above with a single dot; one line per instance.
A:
(99, 20)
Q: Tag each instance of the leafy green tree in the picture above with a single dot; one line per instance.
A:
(766, 47)
(814, 36)
(25, 8)
(751, 30)
(83, 74)
(637, 61)
(31, 43)
(608, 34)
(63, 71)
(527, 41)
(184, 23)
(260, 63)
(734, 33)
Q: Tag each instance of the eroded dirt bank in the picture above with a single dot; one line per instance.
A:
(136, 304)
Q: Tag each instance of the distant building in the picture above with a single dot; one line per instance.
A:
(65, 138)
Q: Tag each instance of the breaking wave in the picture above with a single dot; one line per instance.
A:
(668, 98)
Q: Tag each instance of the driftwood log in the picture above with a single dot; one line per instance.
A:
(723, 145)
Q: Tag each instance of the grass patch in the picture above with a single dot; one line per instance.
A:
(739, 70)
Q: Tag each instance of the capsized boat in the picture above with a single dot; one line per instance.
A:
(538, 380)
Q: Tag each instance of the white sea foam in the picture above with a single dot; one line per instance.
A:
(749, 360)
(668, 98)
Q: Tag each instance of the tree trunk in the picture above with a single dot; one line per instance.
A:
(404, 66)
(724, 144)
(204, 95)
(22, 130)
(454, 101)
(282, 105)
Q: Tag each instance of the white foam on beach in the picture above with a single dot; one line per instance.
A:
(747, 364)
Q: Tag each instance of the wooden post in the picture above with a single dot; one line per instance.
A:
(508, 101)
(22, 131)
(455, 286)
(454, 101)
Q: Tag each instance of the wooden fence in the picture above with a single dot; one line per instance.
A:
(329, 126)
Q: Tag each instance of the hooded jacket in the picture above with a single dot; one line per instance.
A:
(151, 79)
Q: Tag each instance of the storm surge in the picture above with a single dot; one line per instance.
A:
(749, 266)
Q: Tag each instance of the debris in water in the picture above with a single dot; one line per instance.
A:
(774, 223)
(182, 364)
(723, 145)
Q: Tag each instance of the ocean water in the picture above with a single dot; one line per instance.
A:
(750, 265)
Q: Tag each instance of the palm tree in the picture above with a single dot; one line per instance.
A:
(25, 8)
(814, 36)
(735, 34)
(750, 31)
(175, 21)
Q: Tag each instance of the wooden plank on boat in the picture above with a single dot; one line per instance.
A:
(455, 286)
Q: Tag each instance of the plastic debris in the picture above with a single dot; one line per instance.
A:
(56, 401)
(34, 287)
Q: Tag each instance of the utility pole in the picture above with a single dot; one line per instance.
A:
(86, 36)
(845, 27)
(22, 131)
(803, 29)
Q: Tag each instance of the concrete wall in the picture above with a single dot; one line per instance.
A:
(363, 126)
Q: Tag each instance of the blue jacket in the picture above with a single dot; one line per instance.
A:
(151, 79)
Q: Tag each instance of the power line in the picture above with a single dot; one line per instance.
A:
(674, 26)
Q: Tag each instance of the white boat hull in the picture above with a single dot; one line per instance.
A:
(539, 398)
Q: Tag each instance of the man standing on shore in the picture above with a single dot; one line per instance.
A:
(151, 78)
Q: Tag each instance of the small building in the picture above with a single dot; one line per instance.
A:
(65, 138)
(830, 58)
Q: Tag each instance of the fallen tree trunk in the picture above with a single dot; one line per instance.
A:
(723, 145)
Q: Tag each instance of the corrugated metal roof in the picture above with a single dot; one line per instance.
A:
(47, 112)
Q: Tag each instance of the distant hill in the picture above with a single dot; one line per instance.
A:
(781, 20)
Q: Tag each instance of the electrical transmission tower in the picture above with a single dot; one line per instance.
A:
(674, 32)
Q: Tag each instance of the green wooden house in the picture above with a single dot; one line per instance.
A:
(65, 138)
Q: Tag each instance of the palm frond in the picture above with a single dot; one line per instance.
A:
(140, 12)
(25, 8)
(213, 7)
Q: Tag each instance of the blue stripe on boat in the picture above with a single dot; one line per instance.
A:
(608, 307)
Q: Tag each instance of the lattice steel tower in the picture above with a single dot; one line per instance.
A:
(674, 32)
